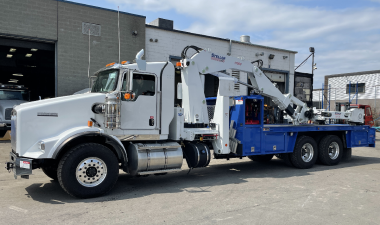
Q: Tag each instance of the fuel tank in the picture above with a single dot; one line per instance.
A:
(154, 158)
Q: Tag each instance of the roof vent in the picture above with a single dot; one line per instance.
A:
(162, 23)
(245, 38)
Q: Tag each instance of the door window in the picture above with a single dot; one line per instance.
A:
(368, 111)
(143, 84)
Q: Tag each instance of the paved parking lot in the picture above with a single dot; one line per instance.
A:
(227, 192)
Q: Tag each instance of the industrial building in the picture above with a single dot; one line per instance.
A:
(48, 49)
(44, 44)
(357, 88)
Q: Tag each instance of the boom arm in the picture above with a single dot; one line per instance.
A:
(205, 62)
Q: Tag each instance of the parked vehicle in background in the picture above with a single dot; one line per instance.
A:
(368, 118)
(10, 95)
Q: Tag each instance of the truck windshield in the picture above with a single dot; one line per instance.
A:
(106, 81)
(14, 95)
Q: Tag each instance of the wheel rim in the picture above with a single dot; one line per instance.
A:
(333, 150)
(91, 172)
(307, 152)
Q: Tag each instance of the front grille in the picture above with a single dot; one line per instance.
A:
(8, 112)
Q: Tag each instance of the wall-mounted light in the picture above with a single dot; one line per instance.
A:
(33, 49)
(134, 33)
(259, 53)
(285, 57)
(12, 50)
(9, 56)
(17, 74)
(28, 55)
(271, 56)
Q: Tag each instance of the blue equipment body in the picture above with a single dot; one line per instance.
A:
(257, 138)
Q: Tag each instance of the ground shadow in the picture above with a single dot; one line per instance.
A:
(198, 180)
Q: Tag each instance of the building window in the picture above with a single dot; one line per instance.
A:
(361, 88)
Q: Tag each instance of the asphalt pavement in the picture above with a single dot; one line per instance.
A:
(237, 191)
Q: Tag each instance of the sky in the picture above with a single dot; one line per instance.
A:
(344, 33)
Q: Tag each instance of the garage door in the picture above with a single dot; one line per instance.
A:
(28, 63)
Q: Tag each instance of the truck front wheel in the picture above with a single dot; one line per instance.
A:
(88, 170)
(305, 153)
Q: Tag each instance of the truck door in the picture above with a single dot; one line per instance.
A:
(368, 116)
(139, 112)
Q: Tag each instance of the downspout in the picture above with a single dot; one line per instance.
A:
(230, 48)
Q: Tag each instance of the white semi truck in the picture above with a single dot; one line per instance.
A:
(129, 121)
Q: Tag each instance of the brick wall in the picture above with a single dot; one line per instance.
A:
(32, 18)
(73, 45)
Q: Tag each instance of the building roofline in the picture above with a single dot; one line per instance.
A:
(353, 74)
(96, 7)
(221, 39)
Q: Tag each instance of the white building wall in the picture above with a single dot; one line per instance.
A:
(338, 85)
(171, 43)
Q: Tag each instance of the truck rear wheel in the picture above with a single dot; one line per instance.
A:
(88, 170)
(261, 158)
(330, 150)
(305, 153)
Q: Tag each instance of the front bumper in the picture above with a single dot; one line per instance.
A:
(20, 166)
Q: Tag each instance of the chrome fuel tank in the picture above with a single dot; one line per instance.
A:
(154, 158)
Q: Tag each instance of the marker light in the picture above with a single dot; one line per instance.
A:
(41, 145)
(178, 64)
(110, 64)
(127, 96)
(124, 62)
(89, 123)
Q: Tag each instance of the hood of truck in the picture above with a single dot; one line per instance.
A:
(8, 104)
(48, 118)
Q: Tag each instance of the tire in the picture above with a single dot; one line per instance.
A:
(104, 171)
(50, 171)
(330, 150)
(347, 153)
(261, 158)
(305, 153)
